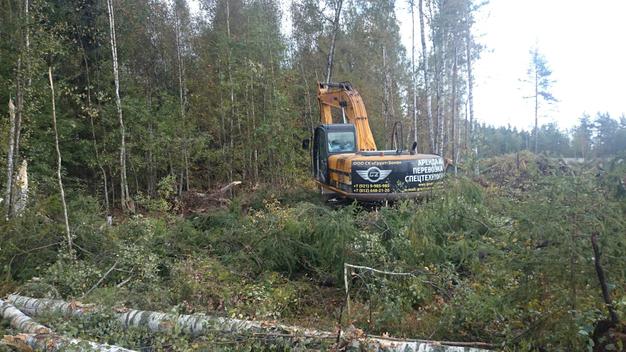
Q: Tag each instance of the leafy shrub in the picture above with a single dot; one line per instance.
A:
(203, 284)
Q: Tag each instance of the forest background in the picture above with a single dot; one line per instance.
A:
(123, 107)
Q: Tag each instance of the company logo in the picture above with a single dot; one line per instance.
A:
(373, 174)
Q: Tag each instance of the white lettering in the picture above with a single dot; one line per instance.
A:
(423, 178)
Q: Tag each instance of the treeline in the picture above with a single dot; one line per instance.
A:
(600, 136)
(148, 91)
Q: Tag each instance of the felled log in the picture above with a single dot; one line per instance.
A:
(37, 337)
(201, 324)
(54, 343)
(20, 321)
(194, 325)
(227, 187)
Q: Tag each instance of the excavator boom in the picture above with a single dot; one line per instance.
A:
(343, 97)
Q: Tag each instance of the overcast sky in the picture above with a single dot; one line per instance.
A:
(583, 42)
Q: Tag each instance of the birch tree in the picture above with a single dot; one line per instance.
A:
(125, 199)
(58, 152)
(10, 160)
(182, 89)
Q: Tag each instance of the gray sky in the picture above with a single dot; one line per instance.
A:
(583, 42)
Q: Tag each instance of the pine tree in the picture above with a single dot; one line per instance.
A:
(539, 77)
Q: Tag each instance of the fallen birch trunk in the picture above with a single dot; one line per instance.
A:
(20, 321)
(56, 343)
(37, 337)
(200, 324)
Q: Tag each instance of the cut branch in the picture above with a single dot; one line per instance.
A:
(101, 279)
(600, 272)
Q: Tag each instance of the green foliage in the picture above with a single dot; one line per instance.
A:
(204, 283)
(302, 237)
(502, 260)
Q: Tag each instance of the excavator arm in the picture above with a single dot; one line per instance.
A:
(345, 98)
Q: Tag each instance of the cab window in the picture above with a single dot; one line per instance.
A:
(341, 142)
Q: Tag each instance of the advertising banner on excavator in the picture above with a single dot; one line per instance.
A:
(396, 176)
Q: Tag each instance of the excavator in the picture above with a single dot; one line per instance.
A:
(346, 162)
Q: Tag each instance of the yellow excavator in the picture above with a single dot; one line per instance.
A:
(346, 162)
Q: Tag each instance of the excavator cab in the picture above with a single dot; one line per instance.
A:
(331, 139)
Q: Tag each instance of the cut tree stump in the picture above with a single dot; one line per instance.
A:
(200, 324)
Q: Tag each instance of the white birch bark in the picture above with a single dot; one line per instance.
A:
(200, 324)
(19, 97)
(20, 321)
(58, 150)
(21, 189)
(56, 343)
(124, 197)
(37, 337)
(10, 162)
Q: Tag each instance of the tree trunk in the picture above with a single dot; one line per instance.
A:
(19, 111)
(232, 98)
(536, 108)
(453, 112)
(20, 321)
(93, 133)
(309, 111)
(10, 161)
(413, 75)
(58, 150)
(602, 279)
(470, 84)
(27, 39)
(124, 196)
(40, 338)
(429, 111)
(200, 324)
(255, 152)
(20, 197)
(56, 343)
(385, 100)
(182, 92)
(331, 52)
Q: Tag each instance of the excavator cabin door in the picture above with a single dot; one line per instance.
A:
(328, 140)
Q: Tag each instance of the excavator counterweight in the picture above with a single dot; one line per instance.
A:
(346, 161)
